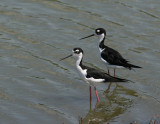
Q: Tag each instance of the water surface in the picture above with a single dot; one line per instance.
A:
(37, 88)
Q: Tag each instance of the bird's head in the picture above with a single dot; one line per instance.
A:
(98, 32)
(76, 52)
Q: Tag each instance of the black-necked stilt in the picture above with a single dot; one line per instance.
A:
(109, 56)
(90, 75)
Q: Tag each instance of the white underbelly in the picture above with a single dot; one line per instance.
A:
(111, 66)
(93, 81)
(82, 75)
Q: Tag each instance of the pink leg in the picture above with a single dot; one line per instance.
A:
(96, 94)
(114, 72)
(90, 89)
(108, 72)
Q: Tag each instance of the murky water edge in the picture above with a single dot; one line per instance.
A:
(37, 88)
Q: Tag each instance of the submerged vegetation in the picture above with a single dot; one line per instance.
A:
(154, 120)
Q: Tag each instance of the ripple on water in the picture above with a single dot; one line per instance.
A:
(37, 88)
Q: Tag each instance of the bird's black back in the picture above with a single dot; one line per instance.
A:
(97, 74)
(113, 57)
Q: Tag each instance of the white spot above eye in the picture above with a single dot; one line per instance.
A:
(77, 50)
(98, 30)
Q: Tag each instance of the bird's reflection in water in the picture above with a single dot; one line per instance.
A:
(108, 89)
(115, 103)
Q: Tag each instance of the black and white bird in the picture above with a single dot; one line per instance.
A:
(112, 58)
(90, 75)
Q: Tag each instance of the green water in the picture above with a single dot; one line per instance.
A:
(36, 88)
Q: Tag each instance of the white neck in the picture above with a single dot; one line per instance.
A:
(82, 72)
(100, 38)
(79, 58)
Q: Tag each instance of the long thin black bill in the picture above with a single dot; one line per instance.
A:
(65, 57)
(87, 36)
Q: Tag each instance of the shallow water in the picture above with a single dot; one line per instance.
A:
(37, 88)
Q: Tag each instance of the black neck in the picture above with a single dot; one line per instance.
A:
(79, 61)
(101, 44)
(81, 65)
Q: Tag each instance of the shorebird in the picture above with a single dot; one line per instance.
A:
(90, 75)
(112, 58)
